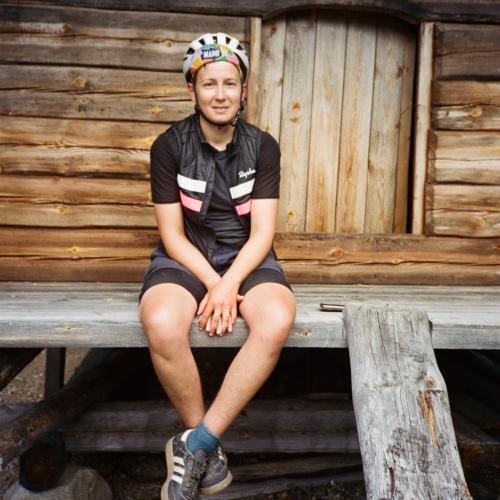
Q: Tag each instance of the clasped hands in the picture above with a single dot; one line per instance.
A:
(219, 307)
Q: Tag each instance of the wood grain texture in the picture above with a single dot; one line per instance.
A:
(331, 32)
(74, 161)
(422, 125)
(57, 132)
(268, 95)
(466, 117)
(464, 92)
(464, 171)
(467, 51)
(469, 145)
(385, 122)
(403, 200)
(411, 10)
(463, 197)
(406, 435)
(296, 120)
(355, 134)
(253, 81)
(470, 224)
(105, 315)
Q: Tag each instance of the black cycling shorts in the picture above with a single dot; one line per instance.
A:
(166, 270)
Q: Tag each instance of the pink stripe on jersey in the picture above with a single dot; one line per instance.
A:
(244, 208)
(190, 203)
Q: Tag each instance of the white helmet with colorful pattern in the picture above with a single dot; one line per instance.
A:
(212, 47)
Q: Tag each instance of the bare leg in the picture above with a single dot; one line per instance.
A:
(167, 311)
(269, 311)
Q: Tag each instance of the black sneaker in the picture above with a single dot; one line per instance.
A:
(184, 469)
(217, 477)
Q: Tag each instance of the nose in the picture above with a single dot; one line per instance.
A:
(220, 93)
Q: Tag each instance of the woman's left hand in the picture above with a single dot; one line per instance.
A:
(218, 309)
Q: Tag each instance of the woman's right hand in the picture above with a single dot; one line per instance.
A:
(219, 308)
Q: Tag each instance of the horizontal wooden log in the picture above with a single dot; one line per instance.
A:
(464, 171)
(392, 249)
(74, 161)
(411, 10)
(463, 197)
(406, 435)
(38, 189)
(464, 92)
(57, 132)
(76, 216)
(466, 51)
(92, 106)
(467, 117)
(466, 146)
(94, 385)
(105, 315)
(462, 223)
(83, 79)
(12, 361)
(41, 19)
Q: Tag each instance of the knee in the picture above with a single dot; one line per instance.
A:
(274, 330)
(165, 329)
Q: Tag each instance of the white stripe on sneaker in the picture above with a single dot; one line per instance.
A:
(177, 479)
(179, 460)
(179, 470)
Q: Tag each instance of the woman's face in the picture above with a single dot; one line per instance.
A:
(218, 91)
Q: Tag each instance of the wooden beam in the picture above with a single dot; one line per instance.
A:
(414, 11)
(105, 315)
(253, 83)
(405, 430)
(422, 126)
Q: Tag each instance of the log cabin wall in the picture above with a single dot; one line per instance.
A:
(83, 94)
(463, 177)
(336, 89)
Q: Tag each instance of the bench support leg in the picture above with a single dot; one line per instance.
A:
(405, 431)
(54, 370)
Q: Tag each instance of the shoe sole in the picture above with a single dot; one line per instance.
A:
(169, 455)
(217, 488)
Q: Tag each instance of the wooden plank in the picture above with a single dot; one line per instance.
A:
(64, 22)
(405, 431)
(331, 32)
(462, 92)
(411, 10)
(471, 224)
(268, 98)
(77, 243)
(355, 133)
(463, 197)
(466, 51)
(402, 202)
(470, 145)
(422, 125)
(74, 161)
(71, 190)
(296, 120)
(146, 84)
(76, 216)
(92, 106)
(466, 117)
(84, 133)
(105, 315)
(253, 83)
(464, 171)
(384, 129)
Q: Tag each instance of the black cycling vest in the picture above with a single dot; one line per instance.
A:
(196, 174)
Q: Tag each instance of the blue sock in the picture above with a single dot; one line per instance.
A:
(202, 437)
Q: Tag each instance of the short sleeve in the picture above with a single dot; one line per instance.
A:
(163, 168)
(267, 178)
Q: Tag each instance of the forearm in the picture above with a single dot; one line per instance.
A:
(184, 252)
(250, 256)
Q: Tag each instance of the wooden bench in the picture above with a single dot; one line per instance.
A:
(105, 315)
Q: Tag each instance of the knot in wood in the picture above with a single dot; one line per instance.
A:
(244, 434)
(479, 222)
(168, 43)
(80, 83)
(476, 112)
(65, 28)
(336, 252)
(61, 209)
(296, 111)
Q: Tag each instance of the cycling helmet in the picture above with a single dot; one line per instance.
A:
(212, 47)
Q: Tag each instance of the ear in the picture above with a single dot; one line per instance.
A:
(191, 91)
